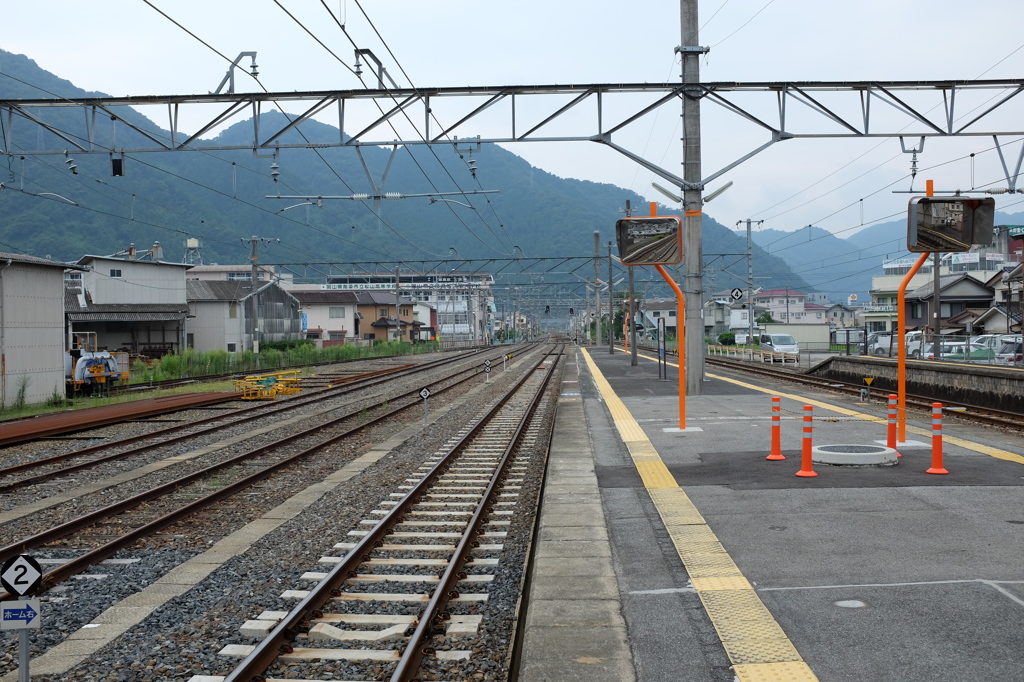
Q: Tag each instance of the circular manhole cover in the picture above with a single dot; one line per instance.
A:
(854, 449)
(854, 455)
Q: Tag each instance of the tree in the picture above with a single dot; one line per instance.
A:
(765, 318)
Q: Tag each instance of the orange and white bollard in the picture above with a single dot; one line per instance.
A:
(776, 430)
(806, 468)
(891, 442)
(936, 467)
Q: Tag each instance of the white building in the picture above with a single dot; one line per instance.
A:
(32, 335)
(464, 301)
(135, 305)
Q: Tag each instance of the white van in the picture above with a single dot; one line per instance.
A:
(779, 343)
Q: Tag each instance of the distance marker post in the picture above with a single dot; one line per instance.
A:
(21, 575)
(425, 393)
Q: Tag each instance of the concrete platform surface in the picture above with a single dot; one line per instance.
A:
(705, 561)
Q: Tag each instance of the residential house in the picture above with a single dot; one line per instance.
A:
(840, 315)
(957, 294)
(223, 315)
(660, 309)
(1004, 316)
(983, 263)
(786, 305)
(332, 317)
(378, 309)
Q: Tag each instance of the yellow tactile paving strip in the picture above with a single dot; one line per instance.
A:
(758, 648)
(959, 442)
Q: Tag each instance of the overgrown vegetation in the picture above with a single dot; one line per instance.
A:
(278, 355)
(19, 397)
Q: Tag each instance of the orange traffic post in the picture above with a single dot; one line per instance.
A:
(806, 466)
(776, 430)
(937, 467)
(891, 442)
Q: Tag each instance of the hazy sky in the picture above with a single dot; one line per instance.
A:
(125, 47)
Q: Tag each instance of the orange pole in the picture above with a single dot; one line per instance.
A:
(680, 340)
(901, 352)
(937, 467)
(929, 188)
(806, 464)
(776, 454)
(891, 441)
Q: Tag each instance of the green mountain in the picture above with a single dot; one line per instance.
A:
(221, 198)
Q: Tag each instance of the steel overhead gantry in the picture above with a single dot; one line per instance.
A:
(783, 110)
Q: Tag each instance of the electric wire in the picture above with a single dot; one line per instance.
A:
(300, 133)
(743, 24)
(404, 113)
(415, 127)
(192, 181)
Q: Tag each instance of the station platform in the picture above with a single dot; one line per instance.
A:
(668, 554)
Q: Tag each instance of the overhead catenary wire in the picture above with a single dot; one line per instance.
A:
(195, 182)
(411, 155)
(301, 134)
(405, 114)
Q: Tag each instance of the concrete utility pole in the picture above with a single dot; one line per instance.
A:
(750, 284)
(632, 305)
(597, 285)
(611, 309)
(398, 300)
(254, 305)
(693, 252)
(937, 308)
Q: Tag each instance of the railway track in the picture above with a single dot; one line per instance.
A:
(973, 413)
(338, 387)
(429, 533)
(233, 474)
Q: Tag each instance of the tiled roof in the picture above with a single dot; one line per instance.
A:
(100, 313)
(326, 297)
(32, 260)
(204, 290)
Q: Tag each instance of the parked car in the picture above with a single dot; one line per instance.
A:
(944, 350)
(978, 353)
(1010, 353)
(779, 343)
(882, 345)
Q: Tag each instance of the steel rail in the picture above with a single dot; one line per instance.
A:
(983, 415)
(359, 381)
(437, 608)
(292, 403)
(62, 530)
(251, 668)
(350, 384)
(975, 413)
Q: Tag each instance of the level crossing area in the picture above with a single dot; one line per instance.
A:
(686, 554)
